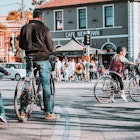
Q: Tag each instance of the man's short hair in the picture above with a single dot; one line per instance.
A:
(37, 13)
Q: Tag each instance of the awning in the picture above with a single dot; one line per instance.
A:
(72, 45)
(75, 48)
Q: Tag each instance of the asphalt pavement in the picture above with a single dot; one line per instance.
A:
(81, 116)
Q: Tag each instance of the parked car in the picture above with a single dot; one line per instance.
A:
(17, 70)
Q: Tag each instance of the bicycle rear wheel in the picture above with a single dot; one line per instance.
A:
(134, 88)
(104, 89)
(21, 98)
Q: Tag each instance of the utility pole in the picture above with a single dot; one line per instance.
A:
(23, 13)
(23, 22)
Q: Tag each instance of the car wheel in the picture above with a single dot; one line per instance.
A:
(17, 77)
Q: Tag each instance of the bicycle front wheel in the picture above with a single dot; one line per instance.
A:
(23, 104)
(134, 88)
(104, 89)
(52, 84)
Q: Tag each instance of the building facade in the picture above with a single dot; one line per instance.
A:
(8, 50)
(111, 23)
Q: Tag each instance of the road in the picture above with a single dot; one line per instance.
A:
(82, 117)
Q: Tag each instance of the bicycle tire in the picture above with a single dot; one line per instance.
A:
(104, 89)
(134, 88)
(52, 86)
(20, 87)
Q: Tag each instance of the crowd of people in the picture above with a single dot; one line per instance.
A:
(70, 69)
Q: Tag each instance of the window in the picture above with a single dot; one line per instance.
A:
(58, 20)
(82, 18)
(108, 16)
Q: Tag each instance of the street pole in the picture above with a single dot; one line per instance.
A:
(22, 12)
(87, 44)
(23, 22)
(88, 53)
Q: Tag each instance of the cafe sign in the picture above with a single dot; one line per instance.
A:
(81, 33)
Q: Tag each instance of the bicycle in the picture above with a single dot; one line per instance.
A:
(134, 85)
(34, 95)
(106, 87)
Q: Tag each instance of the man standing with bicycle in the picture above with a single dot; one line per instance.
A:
(35, 39)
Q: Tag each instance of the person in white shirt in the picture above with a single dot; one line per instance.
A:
(58, 67)
(72, 68)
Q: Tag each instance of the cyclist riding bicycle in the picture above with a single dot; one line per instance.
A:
(36, 40)
(2, 110)
(117, 65)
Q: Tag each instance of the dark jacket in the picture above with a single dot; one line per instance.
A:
(36, 40)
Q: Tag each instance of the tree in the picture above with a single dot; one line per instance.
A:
(16, 15)
(28, 16)
(37, 2)
(2, 27)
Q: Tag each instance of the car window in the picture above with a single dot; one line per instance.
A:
(10, 66)
(24, 66)
(15, 66)
(18, 66)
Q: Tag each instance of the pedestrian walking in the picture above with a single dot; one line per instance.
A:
(58, 69)
(79, 70)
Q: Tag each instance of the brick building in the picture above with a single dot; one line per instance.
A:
(12, 28)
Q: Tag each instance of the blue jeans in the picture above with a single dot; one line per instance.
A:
(1, 105)
(44, 74)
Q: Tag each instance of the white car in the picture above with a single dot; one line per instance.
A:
(16, 70)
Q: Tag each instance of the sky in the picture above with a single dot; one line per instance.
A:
(10, 5)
